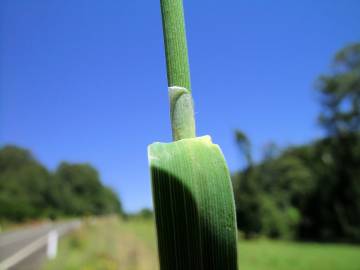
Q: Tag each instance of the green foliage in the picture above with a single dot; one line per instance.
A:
(23, 185)
(80, 192)
(146, 213)
(340, 93)
(28, 190)
(310, 191)
(307, 192)
(334, 206)
(340, 192)
(268, 196)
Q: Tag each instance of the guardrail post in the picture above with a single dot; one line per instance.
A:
(52, 243)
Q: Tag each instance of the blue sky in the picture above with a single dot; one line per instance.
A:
(85, 81)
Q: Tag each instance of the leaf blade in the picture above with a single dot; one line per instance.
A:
(194, 205)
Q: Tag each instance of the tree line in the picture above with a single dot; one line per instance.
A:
(312, 191)
(29, 191)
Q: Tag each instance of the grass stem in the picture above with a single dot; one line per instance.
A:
(178, 71)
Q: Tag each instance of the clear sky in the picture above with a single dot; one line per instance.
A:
(85, 81)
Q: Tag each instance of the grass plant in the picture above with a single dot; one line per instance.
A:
(192, 192)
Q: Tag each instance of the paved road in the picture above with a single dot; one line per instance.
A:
(25, 249)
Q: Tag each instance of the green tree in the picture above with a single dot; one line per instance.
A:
(311, 191)
(340, 180)
(28, 190)
(244, 145)
(78, 191)
(340, 93)
(247, 190)
(23, 185)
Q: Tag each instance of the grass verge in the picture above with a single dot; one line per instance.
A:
(107, 244)
(111, 243)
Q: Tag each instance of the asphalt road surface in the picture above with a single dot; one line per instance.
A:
(26, 249)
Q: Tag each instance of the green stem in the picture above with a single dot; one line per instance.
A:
(178, 72)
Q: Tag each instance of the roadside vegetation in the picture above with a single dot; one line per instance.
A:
(112, 243)
(108, 243)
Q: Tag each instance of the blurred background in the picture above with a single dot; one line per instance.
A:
(83, 92)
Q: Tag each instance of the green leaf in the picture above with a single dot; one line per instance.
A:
(194, 205)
